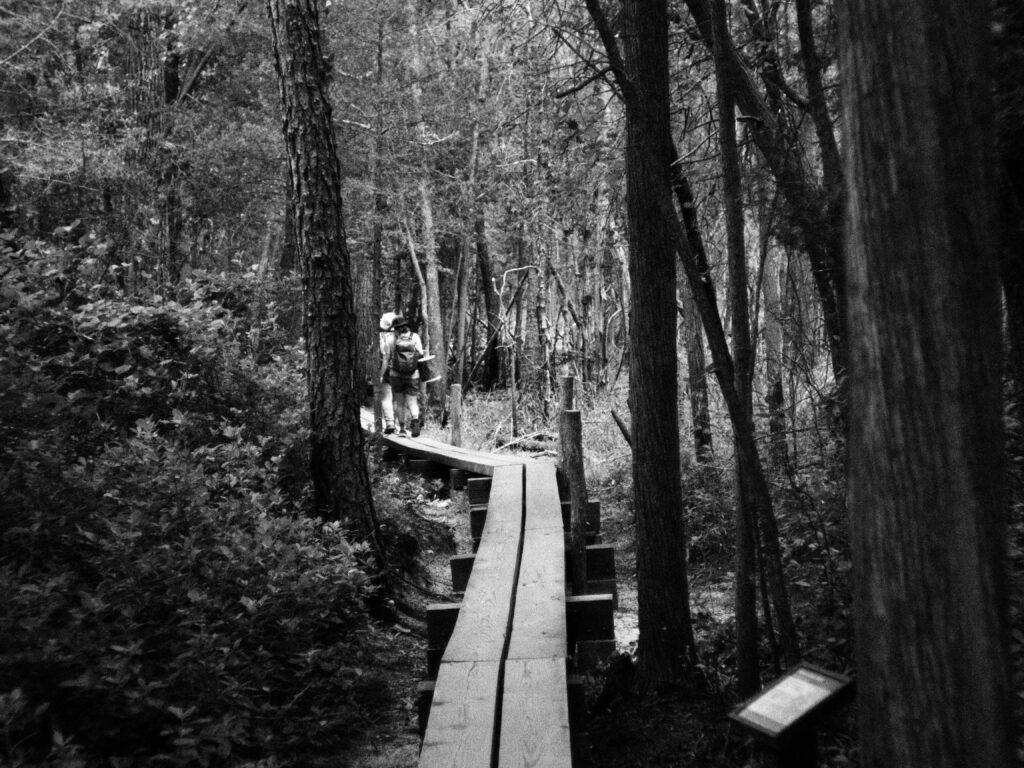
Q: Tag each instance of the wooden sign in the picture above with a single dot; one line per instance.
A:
(791, 701)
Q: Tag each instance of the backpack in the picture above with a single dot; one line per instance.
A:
(403, 358)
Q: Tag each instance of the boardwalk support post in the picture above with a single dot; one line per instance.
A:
(570, 430)
(461, 566)
(456, 413)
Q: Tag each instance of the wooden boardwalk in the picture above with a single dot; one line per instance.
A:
(501, 695)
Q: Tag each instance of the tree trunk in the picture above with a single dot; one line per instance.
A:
(491, 363)
(696, 368)
(341, 484)
(432, 298)
(774, 397)
(743, 358)
(926, 473)
(289, 245)
(666, 632)
(544, 338)
(462, 311)
(687, 243)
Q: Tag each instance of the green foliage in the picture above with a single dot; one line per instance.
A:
(163, 600)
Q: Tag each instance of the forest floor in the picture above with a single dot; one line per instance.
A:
(686, 726)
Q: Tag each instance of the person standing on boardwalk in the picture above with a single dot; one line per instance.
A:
(402, 352)
(386, 402)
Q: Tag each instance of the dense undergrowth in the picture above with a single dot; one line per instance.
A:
(164, 600)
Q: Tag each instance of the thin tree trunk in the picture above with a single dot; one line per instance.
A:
(414, 264)
(491, 363)
(926, 471)
(697, 378)
(462, 311)
(742, 355)
(432, 295)
(544, 338)
(778, 452)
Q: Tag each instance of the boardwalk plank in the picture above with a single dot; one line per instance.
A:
(544, 509)
(535, 715)
(483, 624)
(460, 730)
(535, 709)
(539, 627)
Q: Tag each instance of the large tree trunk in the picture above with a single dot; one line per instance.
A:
(926, 465)
(666, 633)
(341, 483)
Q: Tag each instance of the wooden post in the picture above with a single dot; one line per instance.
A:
(567, 393)
(456, 413)
(570, 432)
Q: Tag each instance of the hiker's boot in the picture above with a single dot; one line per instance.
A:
(389, 428)
(414, 428)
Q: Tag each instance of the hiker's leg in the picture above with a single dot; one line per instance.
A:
(401, 410)
(387, 404)
(414, 408)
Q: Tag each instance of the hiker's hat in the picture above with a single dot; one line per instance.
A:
(387, 320)
(399, 322)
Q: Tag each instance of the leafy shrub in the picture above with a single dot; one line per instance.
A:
(179, 611)
(163, 600)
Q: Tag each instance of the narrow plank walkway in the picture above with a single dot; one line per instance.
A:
(535, 713)
(462, 728)
(476, 462)
(500, 699)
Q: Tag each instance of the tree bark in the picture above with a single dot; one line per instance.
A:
(743, 358)
(491, 362)
(696, 368)
(462, 310)
(778, 454)
(666, 632)
(341, 484)
(926, 474)
(432, 297)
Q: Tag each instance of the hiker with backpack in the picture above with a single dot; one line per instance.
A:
(402, 352)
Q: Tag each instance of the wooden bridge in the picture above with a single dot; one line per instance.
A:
(500, 692)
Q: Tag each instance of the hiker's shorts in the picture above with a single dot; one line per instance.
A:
(403, 385)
